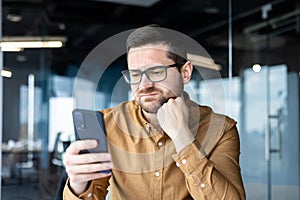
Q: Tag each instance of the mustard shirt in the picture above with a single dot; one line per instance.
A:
(146, 165)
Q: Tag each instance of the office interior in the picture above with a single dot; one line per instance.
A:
(250, 72)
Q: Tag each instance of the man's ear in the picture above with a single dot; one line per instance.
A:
(186, 72)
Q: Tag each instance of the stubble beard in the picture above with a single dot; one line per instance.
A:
(149, 105)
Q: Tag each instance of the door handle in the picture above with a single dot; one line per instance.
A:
(278, 148)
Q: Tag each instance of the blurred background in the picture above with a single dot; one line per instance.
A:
(252, 53)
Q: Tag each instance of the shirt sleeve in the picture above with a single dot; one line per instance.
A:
(97, 190)
(216, 175)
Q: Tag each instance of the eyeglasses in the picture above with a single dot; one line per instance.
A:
(154, 74)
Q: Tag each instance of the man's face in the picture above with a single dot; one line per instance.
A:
(151, 95)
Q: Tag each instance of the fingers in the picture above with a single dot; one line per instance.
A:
(79, 145)
(85, 167)
(88, 169)
(84, 178)
(171, 107)
(78, 159)
(174, 101)
(79, 182)
(173, 116)
(82, 168)
(72, 156)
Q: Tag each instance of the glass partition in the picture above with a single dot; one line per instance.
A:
(268, 128)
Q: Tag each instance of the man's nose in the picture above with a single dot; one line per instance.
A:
(145, 82)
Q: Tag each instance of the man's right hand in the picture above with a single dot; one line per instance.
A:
(81, 168)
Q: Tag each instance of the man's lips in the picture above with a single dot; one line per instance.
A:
(148, 95)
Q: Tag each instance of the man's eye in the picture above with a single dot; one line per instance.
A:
(134, 74)
(157, 72)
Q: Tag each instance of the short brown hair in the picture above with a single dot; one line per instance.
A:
(154, 34)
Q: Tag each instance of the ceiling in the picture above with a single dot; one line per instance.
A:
(86, 23)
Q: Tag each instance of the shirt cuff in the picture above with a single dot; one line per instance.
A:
(197, 168)
(69, 195)
(190, 158)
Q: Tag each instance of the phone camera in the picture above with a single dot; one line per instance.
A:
(79, 120)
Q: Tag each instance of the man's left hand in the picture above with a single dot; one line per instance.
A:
(173, 118)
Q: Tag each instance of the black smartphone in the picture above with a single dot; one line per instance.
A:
(89, 124)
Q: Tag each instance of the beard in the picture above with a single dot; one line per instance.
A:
(152, 104)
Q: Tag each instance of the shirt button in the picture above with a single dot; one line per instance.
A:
(183, 161)
(157, 174)
(159, 144)
(89, 195)
(202, 185)
(177, 164)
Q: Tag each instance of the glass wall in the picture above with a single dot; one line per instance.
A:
(266, 106)
(37, 105)
(38, 125)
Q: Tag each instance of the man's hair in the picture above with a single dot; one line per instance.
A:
(154, 34)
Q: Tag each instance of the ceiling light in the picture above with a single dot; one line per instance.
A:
(9, 49)
(6, 73)
(203, 61)
(32, 42)
(211, 10)
(62, 26)
(144, 3)
(21, 58)
(256, 67)
(14, 17)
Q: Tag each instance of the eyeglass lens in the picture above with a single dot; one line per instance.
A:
(154, 74)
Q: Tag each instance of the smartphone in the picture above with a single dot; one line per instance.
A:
(89, 124)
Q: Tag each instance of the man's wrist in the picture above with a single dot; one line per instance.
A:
(182, 140)
(78, 189)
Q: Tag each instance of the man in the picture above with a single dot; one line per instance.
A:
(162, 144)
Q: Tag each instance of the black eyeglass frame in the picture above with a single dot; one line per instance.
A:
(165, 67)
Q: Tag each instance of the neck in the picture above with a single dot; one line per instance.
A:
(152, 119)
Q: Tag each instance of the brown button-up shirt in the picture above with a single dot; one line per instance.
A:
(146, 165)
